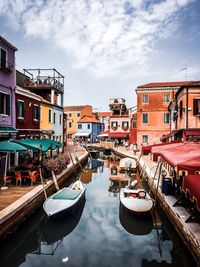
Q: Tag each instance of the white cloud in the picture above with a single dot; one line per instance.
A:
(103, 36)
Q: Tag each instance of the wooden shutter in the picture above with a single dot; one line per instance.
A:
(7, 104)
(196, 107)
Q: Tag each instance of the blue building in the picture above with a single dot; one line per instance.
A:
(88, 128)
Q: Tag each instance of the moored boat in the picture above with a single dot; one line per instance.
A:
(136, 200)
(127, 164)
(65, 200)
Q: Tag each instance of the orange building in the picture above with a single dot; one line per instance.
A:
(185, 113)
(73, 115)
(153, 118)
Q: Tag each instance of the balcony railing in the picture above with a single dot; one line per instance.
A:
(6, 66)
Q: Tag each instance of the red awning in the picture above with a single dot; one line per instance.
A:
(191, 184)
(118, 135)
(168, 136)
(178, 154)
(190, 165)
(192, 132)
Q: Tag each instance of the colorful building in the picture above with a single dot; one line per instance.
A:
(133, 125)
(119, 121)
(7, 90)
(153, 118)
(185, 113)
(88, 128)
(49, 84)
(104, 118)
(27, 110)
(73, 115)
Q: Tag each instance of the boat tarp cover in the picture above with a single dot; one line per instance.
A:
(69, 194)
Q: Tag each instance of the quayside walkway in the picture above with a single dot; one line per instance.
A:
(188, 231)
(18, 202)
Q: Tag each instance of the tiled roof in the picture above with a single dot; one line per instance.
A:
(88, 119)
(104, 114)
(75, 108)
(164, 84)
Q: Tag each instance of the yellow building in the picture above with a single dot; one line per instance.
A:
(74, 113)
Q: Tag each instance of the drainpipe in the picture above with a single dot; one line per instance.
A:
(186, 108)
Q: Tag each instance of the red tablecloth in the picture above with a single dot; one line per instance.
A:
(191, 183)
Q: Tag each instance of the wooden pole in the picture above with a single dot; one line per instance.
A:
(55, 180)
(42, 181)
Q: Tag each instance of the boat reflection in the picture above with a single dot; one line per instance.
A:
(135, 224)
(95, 165)
(52, 231)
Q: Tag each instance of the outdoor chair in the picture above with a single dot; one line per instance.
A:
(18, 177)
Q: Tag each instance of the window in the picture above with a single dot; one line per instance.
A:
(60, 119)
(166, 117)
(125, 125)
(181, 109)
(134, 125)
(4, 104)
(49, 115)
(145, 139)
(3, 58)
(78, 114)
(114, 124)
(145, 98)
(144, 117)
(54, 117)
(196, 106)
(88, 126)
(70, 125)
(70, 115)
(36, 112)
(166, 98)
(20, 109)
(80, 126)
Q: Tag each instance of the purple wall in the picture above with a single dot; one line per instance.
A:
(7, 82)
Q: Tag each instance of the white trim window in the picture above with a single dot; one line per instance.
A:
(145, 139)
(145, 98)
(20, 109)
(166, 117)
(50, 115)
(3, 58)
(4, 104)
(145, 118)
(166, 98)
(36, 112)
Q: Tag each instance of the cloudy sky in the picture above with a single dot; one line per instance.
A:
(105, 48)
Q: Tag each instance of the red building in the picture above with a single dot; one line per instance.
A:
(153, 118)
(27, 111)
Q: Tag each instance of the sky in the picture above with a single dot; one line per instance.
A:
(105, 48)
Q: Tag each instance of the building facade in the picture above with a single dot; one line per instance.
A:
(48, 84)
(73, 115)
(153, 118)
(119, 121)
(7, 90)
(104, 118)
(185, 113)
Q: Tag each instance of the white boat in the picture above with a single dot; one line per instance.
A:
(136, 200)
(127, 164)
(65, 200)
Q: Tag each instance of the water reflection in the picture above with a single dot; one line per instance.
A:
(99, 234)
(135, 224)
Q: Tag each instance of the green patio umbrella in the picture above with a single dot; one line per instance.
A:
(34, 144)
(10, 147)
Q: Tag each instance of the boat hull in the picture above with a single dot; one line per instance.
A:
(58, 208)
(136, 205)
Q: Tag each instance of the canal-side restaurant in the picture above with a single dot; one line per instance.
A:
(169, 169)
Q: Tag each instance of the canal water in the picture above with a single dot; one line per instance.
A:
(100, 233)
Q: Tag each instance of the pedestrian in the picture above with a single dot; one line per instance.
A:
(134, 148)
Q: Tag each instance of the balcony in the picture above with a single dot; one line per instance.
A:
(45, 80)
(6, 67)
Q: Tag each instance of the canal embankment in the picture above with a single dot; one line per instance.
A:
(189, 232)
(14, 214)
